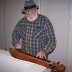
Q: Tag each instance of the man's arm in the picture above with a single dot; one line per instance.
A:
(16, 37)
(49, 48)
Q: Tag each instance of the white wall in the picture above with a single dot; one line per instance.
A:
(12, 15)
(69, 55)
(2, 27)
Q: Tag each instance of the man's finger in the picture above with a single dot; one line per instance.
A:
(41, 55)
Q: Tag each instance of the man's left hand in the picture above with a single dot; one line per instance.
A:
(41, 55)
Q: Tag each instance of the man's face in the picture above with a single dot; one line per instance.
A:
(31, 14)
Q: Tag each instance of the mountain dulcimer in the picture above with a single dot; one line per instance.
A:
(19, 54)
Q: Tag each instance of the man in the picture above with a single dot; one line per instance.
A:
(35, 31)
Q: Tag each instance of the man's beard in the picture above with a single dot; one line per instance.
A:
(33, 18)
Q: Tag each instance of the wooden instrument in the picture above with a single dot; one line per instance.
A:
(19, 54)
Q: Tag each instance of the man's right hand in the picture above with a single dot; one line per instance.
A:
(18, 46)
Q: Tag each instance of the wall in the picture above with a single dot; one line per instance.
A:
(2, 27)
(69, 55)
(12, 15)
